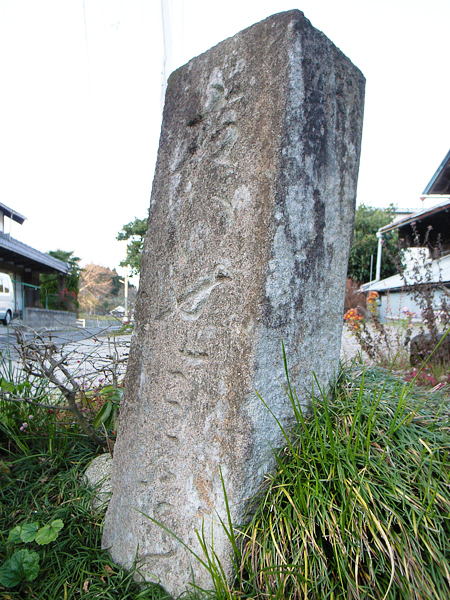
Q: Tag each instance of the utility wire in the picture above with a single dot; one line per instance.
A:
(87, 54)
(167, 47)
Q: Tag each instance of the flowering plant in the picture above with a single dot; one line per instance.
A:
(409, 314)
(424, 377)
(353, 319)
(372, 335)
(372, 303)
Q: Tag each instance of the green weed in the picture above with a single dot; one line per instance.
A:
(359, 504)
(42, 483)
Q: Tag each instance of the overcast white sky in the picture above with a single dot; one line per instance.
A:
(80, 103)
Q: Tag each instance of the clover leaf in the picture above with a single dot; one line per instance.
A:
(28, 532)
(49, 532)
(23, 564)
(14, 535)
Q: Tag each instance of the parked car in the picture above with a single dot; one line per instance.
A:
(6, 298)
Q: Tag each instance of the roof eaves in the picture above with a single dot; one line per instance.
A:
(12, 214)
(416, 216)
(438, 172)
(22, 249)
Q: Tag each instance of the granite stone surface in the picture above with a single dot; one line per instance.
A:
(250, 226)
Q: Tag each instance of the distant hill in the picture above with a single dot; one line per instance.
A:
(100, 290)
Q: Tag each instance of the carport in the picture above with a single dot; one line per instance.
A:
(25, 264)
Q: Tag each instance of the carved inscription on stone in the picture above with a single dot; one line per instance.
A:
(250, 226)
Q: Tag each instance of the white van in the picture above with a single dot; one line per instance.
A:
(6, 299)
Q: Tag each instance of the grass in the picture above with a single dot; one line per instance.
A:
(42, 484)
(41, 480)
(358, 506)
(106, 317)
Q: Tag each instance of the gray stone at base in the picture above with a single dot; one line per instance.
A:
(98, 476)
(423, 347)
(250, 225)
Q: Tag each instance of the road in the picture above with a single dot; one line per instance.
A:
(8, 338)
(87, 352)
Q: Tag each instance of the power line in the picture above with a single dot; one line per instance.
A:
(87, 53)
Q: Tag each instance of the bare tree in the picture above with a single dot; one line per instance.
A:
(70, 369)
(95, 286)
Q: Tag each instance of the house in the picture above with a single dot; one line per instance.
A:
(418, 233)
(25, 265)
(119, 312)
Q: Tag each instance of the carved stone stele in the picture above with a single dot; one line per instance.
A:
(250, 226)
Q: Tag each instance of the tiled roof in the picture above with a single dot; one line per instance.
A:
(15, 252)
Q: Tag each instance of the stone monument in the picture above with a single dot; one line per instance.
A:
(250, 226)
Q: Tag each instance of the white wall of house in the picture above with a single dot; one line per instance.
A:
(391, 304)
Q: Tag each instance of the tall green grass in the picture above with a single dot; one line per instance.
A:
(359, 504)
(357, 507)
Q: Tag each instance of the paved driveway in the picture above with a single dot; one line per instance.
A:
(92, 355)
